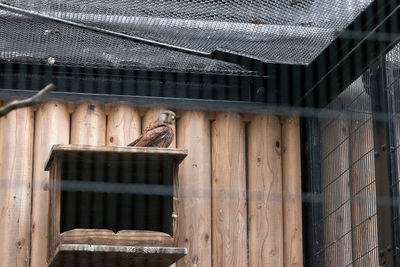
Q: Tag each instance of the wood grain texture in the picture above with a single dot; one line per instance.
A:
(362, 177)
(123, 125)
(265, 191)
(54, 209)
(291, 188)
(84, 255)
(228, 191)
(16, 132)
(121, 238)
(150, 116)
(335, 182)
(88, 124)
(194, 192)
(51, 127)
(152, 153)
(88, 127)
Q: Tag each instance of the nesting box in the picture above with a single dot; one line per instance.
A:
(115, 204)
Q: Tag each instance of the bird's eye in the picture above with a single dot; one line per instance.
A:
(172, 117)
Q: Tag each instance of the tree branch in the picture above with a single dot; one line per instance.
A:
(26, 102)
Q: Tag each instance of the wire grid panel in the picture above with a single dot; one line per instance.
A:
(28, 40)
(292, 32)
(348, 223)
(393, 71)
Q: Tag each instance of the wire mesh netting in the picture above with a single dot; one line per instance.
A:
(393, 70)
(293, 32)
(346, 227)
(347, 173)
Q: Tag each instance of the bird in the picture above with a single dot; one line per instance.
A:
(159, 133)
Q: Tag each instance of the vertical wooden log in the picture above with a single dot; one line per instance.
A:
(51, 127)
(123, 125)
(265, 191)
(229, 191)
(336, 189)
(88, 127)
(291, 188)
(194, 192)
(363, 208)
(17, 130)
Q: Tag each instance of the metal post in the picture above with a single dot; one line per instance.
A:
(383, 175)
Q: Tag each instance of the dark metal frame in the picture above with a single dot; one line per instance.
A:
(384, 165)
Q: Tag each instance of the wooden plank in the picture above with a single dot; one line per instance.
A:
(194, 192)
(265, 191)
(336, 189)
(51, 127)
(123, 125)
(291, 188)
(54, 209)
(229, 191)
(64, 150)
(16, 132)
(363, 208)
(84, 255)
(121, 238)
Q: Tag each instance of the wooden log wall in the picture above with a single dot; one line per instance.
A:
(335, 184)
(362, 173)
(51, 127)
(16, 133)
(230, 210)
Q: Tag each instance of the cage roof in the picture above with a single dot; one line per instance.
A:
(177, 35)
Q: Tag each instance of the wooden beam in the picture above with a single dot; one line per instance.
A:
(96, 255)
(228, 191)
(88, 125)
(194, 191)
(121, 238)
(363, 189)
(123, 124)
(51, 127)
(291, 188)
(16, 133)
(335, 177)
(265, 191)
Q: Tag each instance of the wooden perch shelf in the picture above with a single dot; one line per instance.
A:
(113, 153)
(104, 172)
(127, 247)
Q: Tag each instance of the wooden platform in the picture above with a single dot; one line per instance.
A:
(83, 255)
(90, 247)
(114, 153)
(127, 166)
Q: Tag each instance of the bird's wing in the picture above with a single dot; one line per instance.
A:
(135, 142)
(152, 135)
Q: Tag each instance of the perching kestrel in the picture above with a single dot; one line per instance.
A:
(159, 133)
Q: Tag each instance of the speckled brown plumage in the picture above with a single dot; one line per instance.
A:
(159, 133)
